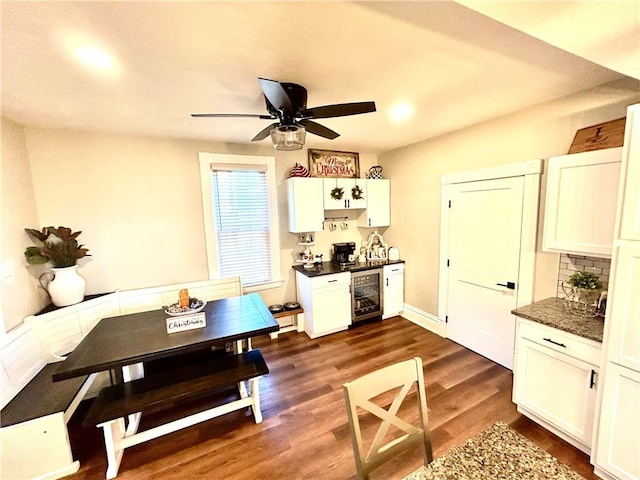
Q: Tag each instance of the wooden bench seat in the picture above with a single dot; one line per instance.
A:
(166, 389)
(297, 325)
(41, 397)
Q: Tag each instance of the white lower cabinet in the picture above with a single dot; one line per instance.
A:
(326, 301)
(393, 290)
(618, 442)
(555, 380)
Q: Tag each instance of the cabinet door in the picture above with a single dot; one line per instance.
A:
(378, 213)
(624, 305)
(618, 443)
(580, 209)
(393, 291)
(630, 225)
(558, 388)
(345, 189)
(306, 213)
(331, 309)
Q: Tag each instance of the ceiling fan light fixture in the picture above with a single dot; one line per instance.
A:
(288, 137)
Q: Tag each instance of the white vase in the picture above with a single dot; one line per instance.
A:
(67, 287)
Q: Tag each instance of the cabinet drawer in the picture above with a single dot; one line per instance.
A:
(395, 269)
(581, 348)
(331, 280)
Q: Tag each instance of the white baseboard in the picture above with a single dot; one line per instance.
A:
(424, 320)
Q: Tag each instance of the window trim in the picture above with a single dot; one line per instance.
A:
(206, 161)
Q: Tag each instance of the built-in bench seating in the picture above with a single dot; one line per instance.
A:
(33, 433)
(34, 441)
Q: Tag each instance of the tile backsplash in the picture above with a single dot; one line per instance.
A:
(572, 263)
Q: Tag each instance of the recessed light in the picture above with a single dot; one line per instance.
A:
(400, 112)
(95, 57)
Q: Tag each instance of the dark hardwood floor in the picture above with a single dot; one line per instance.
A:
(305, 434)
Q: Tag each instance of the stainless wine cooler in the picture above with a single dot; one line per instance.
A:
(366, 295)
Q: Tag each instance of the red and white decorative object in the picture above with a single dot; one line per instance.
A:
(300, 171)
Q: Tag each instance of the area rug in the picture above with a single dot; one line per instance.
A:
(498, 453)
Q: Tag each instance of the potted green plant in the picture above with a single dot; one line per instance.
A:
(60, 247)
(582, 293)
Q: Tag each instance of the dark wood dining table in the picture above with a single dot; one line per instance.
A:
(124, 344)
(116, 342)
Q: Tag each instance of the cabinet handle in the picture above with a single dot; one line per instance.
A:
(555, 343)
(369, 222)
(331, 281)
(592, 382)
(387, 282)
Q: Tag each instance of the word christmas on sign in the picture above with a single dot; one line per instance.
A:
(324, 163)
(186, 322)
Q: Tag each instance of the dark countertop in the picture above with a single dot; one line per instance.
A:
(329, 268)
(551, 312)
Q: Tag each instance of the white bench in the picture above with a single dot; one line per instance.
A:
(35, 443)
(297, 324)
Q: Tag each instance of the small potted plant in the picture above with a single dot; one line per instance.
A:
(582, 293)
(60, 247)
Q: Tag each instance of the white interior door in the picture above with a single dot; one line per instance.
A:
(484, 255)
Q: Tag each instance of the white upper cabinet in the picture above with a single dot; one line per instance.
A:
(378, 213)
(304, 195)
(582, 193)
(344, 193)
(630, 225)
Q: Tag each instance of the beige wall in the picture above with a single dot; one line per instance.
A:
(137, 201)
(19, 294)
(415, 171)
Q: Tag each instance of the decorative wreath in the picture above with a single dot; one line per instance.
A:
(337, 193)
(356, 193)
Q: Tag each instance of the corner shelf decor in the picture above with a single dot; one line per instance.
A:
(376, 248)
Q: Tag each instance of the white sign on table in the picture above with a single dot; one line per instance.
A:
(186, 322)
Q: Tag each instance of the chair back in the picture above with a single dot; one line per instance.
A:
(398, 378)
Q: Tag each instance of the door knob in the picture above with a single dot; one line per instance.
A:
(509, 285)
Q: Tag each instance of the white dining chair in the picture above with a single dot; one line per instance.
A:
(361, 394)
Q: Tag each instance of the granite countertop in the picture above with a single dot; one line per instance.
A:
(551, 312)
(498, 453)
(328, 268)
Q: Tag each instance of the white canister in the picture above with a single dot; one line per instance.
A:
(394, 254)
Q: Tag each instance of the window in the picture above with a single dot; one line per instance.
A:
(240, 217)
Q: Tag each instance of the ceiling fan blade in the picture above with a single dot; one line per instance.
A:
(339, 110)
(264, 133)
(276, 95)
(239, 115)
(317, 129)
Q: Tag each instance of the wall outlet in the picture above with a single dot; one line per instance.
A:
(7, 272)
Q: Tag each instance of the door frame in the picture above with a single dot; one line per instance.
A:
(531, 170)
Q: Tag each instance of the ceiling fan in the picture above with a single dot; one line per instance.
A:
(287, 103)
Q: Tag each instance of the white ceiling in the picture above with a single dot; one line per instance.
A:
(456, 66)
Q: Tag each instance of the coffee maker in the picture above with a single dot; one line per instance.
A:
(343, 253)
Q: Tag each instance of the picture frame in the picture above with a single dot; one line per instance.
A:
(334, 164)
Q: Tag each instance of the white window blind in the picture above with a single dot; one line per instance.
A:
(240, 198)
